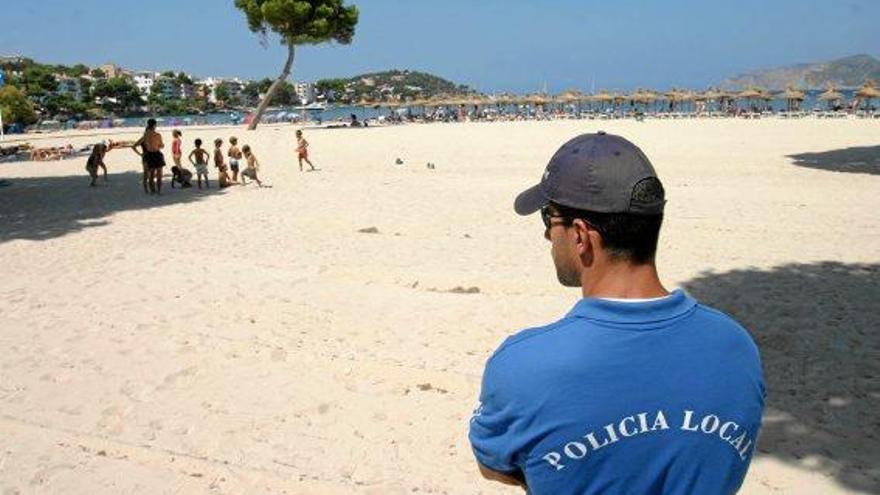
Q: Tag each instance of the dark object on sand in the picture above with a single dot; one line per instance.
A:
(180, 176)
(461, 290)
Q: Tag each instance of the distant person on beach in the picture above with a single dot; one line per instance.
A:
(199, 159)
(96, 160)
(253, 166)
(636, 389)
(302, 150)
(234, 156)
(153, 160)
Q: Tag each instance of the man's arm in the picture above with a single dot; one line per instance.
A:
(515, 478)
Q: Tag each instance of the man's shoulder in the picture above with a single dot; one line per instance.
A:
(518, 344)
(722, 320)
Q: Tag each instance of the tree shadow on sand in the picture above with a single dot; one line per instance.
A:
(817, 328)
(40, 208)
(855, 160)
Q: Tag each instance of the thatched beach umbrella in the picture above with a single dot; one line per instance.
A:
(792, 97)
(868, 92)
(502, 100)
(537, 99)
(641, 97)
(675, 97)
(716, 95)
(751, 95)
(570, 97)
(831, 95)
(603, 97)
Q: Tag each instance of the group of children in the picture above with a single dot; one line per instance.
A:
(199, 159)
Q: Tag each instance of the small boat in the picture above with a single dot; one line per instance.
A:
(317, 106)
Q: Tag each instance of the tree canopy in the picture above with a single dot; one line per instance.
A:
(298, 22)
(118, 94)
(16, 106)
(301, 22)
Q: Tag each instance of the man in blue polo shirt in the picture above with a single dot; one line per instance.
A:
(637, 390)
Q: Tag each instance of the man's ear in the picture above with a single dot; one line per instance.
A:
(582, 237)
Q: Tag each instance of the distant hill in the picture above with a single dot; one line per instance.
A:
(391, 84)
(849, 72)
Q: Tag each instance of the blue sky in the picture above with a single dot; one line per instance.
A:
(490, 44)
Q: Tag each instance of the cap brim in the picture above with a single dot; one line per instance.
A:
(530, 200)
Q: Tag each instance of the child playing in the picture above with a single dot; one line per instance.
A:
(223, 177)
(302, 150)
(234, 156)
(200, 163)
(96, 159)
(252, 166)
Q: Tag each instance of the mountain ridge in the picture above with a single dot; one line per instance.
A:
(846, 72)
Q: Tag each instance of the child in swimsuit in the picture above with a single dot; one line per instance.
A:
(234, 155)
(218, 153)
(252, 166)
(176, 152)
(200, 163)
(96, 159)
(223, 177)
(302, 150)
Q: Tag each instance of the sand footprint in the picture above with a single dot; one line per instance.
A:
(171, 379)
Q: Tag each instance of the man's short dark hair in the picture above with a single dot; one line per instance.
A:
(151, 123)
(627, 236)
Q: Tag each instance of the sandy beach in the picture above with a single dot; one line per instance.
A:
(328, 334)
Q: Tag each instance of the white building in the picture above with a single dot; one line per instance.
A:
(305, 92)
(187, 91)
(144, 82)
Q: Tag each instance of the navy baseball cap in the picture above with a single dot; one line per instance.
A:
(595, 172)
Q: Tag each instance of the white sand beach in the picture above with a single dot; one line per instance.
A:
(255, 341)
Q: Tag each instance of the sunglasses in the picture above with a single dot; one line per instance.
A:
(547, 216)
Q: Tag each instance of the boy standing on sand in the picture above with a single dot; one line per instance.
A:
(200, 163)
(218, 153)
(234, 156)
(302, 150)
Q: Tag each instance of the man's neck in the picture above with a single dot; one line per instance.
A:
(623, 281)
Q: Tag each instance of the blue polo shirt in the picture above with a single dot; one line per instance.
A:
(660, 396)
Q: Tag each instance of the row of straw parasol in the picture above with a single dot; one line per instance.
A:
(642, 96)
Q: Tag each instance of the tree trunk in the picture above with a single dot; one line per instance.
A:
(285, 73)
